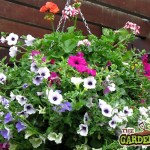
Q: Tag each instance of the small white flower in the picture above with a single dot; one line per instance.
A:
(86, 118)
(40, 93)
(29, 40)
(1, 113)
(112, 123)
(44, 72)
(80, 43)
(143, 111)
(111, 87)
(13, 51)
(37, 80)
(102, 103)
(122, 116)
(21, 99)
(124, 63)
(83, 129)
(12, 39)
(12, 96)
(107, 110)
(89, 103)
(127, 111)
(86, 42)
(2, 78)
(108, 78)
(2, 40)
(34, 67)
(76, 80)
(89, 83)
(54, 97)
(116, 118)
(28, 108)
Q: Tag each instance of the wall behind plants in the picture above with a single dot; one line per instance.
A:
(23, 17)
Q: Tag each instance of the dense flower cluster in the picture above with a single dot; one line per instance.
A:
(132, 26)
(80, 92)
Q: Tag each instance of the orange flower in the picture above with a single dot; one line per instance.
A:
(52, 7)
(43, 9)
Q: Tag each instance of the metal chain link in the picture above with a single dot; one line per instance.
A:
(86, 25)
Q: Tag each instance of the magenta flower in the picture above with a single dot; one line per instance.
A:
(91, 72)
(35, 53)
(74, 61)
(81, 68)
(4, 146)
(80, 54)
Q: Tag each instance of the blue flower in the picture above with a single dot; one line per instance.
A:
(8, 118)
(20, 126)
(25, 86)
(6, 133)
(66, 106)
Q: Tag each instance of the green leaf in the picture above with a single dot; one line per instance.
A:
(12, 146)
(69, 45)
(71, 29)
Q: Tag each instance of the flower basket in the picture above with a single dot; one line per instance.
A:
(70, 91)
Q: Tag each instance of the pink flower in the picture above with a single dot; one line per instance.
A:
(35, 53)
(44, 59)
(52, 61)
(106, 91)
(132, 26)
(74, 61)
(81, 68)
(145, 58)
(109, 63)
(54, 78)
(80, 54)
(91, 72)
(142, 101)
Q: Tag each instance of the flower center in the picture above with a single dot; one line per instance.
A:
(28, 107)
(106, 111)
(113, 122)
(76, 62)
(90, 83)
(55, 98)
(43, 74)
(125, 111)
(12, 38)
(84, 128)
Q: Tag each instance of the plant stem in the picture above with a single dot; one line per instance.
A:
(52, 24)
(75, 22)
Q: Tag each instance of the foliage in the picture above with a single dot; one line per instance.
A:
(46, 96)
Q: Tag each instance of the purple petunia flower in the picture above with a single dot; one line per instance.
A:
(25, 86)
(5, 133)
(37, 80)
(20, 126)
(65, 107)
(8, 118)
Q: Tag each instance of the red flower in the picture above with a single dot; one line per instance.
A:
(50, 7)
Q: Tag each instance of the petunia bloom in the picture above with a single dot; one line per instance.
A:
(12, 39)
(8, 118)
(20, 126)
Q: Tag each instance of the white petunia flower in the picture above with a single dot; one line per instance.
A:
(12, 96)
(55, 137)
(2, 40)
(40, 93)
(76, 80)
(13, 51)
(127, 111)
(86, 118)
(44, 72)
(111, 87)
(37, 80)
(21, 99)
(112, 123)
(29, 40)
(54, 97)
(143, 111)
(101, 103)
(83, 129)
(90, 103)
(86, 42)
(34, 67)
(116, 118)
(2, 78)
(106, 110)
(80, 43)
(89, 83)
(28, 108)
(108, 78)
(122, 116)
(12, 39)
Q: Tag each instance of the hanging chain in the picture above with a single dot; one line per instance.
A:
(86, 25)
